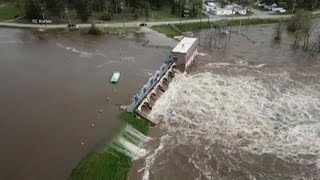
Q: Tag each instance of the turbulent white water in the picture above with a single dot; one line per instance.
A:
(131, 142)
(240, 122)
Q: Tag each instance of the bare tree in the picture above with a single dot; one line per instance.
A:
(316, 44)
(217, 37)
(278, 31)
(297, 38)
(308, 28)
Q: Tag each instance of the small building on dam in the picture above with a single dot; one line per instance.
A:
(184, 53)
(181, 57)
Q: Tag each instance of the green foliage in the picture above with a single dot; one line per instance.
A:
(83, 10)
(55, 7)
(147, 9)
(299, 20)
(33, 10)
(106, 16)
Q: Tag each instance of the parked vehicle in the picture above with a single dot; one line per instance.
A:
(278, 9)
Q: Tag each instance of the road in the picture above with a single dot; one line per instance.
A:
(150, 24)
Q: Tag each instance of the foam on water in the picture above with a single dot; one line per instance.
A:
(83, 54)
(245, 115)
(131, 142)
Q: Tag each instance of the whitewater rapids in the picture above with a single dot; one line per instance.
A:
(241, 123)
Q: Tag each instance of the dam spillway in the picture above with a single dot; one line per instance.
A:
(179, 60)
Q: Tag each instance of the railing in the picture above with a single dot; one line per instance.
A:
(136, 100)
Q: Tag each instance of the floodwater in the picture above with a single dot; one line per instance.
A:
(52, 90)
(251, 111)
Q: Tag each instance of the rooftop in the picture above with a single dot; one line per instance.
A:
(184, 45)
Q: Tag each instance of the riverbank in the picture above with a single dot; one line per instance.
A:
(169, 31)
(107, 163)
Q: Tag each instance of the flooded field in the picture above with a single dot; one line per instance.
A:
(251, 111)
(51, 93)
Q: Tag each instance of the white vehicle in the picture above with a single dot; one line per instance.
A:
(278, 9)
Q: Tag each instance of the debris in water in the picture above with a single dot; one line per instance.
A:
(108, 99)
(114, 90)
(92, 125)
(82, 143)
(100, 111)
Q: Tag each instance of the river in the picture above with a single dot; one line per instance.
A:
(52, 90)
(250, 111)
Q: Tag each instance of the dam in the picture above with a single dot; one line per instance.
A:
(179, 60)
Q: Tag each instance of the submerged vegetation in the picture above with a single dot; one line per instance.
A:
(108, 163)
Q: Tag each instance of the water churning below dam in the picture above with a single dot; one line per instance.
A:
(241, 116)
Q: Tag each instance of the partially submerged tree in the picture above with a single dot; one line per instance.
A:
(301, 24)
(278, 31)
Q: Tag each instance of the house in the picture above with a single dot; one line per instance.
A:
(269, 7)
(184, 53)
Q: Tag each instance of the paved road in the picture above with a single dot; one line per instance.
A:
(136, 23)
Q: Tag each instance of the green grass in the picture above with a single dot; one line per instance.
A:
(139, 124)
(108, 164)
(165, 29)
(195, 27)
(7, 12)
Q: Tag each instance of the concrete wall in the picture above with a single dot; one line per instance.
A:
(184, 59)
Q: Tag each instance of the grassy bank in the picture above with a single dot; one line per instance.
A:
(8, 12)
(108, 164)
(195, 27)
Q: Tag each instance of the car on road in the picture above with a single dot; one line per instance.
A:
(142, 24)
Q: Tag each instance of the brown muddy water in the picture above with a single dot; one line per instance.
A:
(251, 111)
(52, 90)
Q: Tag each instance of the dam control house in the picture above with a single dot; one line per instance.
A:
(184, 53)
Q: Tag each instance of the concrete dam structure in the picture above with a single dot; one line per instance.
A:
(179, 60)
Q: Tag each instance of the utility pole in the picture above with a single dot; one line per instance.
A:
(180, 12)
(122, 7)
(44, 20)
(186, 13)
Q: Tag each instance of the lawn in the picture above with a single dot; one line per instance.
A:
(108, 164)
(166, 29)
(195, 27)
(8, 11)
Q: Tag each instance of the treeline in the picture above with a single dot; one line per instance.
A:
(106, 8)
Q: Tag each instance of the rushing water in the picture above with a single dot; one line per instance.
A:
(246, 115)
(51, 93)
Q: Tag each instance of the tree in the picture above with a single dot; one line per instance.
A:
(32, 9)
(147, 9)
(302, 25)
(278, 31)
(55, 7)
(83, 9)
